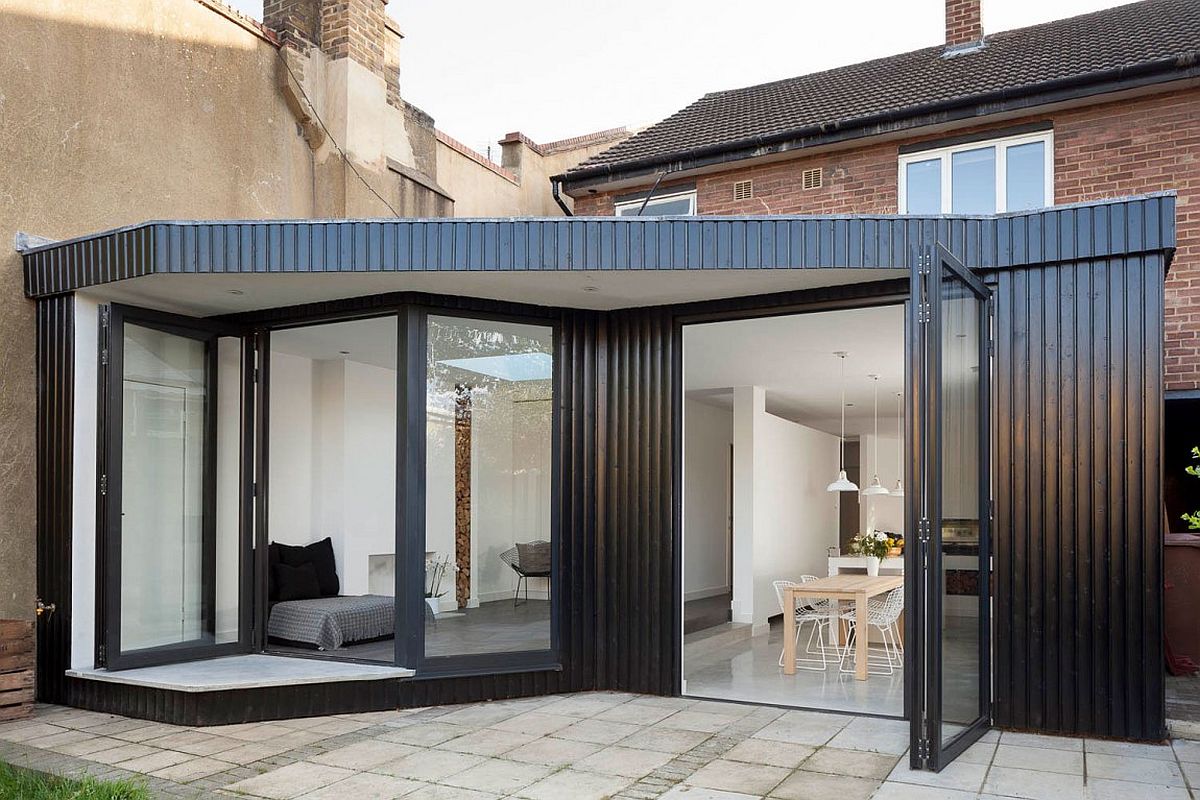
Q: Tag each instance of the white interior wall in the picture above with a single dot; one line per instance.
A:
(439, 493)
(333, 459)
(784, 520)
(708, 436)
(370, 470)
(796, 519)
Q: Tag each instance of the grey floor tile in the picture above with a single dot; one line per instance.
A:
(802, 785)
(853, 763)
(1039, 758)
(1137, 770)
(1033, 784)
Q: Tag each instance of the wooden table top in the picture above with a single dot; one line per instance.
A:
(846, 587)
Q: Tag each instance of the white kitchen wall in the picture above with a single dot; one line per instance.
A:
(880, 512)
(707, 438)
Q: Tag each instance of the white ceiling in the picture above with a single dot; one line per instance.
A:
(792, 357)
(368, 341)
(219, 293)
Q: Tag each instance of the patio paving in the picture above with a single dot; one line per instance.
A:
(586, 747)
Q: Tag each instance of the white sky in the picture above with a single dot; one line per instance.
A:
(559, 68)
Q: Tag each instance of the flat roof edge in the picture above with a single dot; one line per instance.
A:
(1098, 228)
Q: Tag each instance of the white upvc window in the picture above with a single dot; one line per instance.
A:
(677, 204)
(1014, 173)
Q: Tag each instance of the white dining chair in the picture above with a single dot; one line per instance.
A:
(806, 610)
(885, 617)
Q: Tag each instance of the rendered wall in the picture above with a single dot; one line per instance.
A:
(117, 111)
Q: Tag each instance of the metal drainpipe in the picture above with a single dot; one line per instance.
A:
(558, 198)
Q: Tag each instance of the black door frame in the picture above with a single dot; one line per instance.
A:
(933, 265)
(108, 650)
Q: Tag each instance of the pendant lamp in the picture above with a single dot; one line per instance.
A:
(899, 490)
(842, 484)
(876, 487)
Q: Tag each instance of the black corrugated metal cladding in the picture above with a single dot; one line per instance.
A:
(55, 320)
(1078, 558)
(1078, 531)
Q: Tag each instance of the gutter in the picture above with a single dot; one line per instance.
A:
(1112, 80)
(555, 185)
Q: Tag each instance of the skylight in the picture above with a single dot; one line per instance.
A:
(511, 367)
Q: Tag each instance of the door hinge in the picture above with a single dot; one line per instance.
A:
(923, 749)
(923, 313)
(103, 655)
(104, 356)
(923, 529)
(103, 485)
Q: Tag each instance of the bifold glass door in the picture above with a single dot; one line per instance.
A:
(170, 490)
(950, 508)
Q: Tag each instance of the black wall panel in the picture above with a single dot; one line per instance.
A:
(55, 320)
(1078, 559)
(1078, 534)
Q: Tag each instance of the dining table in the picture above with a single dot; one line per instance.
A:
(859, 588)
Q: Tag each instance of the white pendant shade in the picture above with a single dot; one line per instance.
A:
(842, 484)
(876, 487)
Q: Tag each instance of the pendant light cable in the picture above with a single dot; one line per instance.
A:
(842, 484)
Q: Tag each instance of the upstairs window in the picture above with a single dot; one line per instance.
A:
(1015, 173)
(678, 204)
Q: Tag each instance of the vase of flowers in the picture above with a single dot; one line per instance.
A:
(875, 546)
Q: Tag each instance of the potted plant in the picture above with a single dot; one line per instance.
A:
(1193, 519)
(875, 546)
(436, 570)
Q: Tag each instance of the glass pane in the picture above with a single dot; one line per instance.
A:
(163, 591)
(332, 513)
(923, 187)
(488, 486)
(973, 181)
(667, 207)
(1025, 176)
(960, 507)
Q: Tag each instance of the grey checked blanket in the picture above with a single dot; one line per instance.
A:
(330, 622)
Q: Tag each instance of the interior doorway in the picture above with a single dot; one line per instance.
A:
(772, 391)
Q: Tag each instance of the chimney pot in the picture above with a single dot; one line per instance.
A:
(964, 22)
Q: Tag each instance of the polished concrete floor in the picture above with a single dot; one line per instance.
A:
(726, 663)
(734, 666)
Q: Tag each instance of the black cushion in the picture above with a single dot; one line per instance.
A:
(318, 554)
(295, 583)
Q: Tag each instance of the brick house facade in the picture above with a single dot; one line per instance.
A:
(1108, 148)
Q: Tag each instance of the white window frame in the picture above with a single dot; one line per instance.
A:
(690, 194)
(1001, 145)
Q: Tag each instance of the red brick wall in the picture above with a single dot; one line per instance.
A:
(1109, 150)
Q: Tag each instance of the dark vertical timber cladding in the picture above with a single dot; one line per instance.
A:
(1078, 471)
(641, 640)
(55, 322)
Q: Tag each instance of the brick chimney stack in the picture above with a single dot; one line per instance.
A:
(355, 29)
(964, 22)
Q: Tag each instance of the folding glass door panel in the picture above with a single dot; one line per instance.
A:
(950, 509)
(171, 490)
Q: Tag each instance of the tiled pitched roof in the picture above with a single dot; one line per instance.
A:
(1060, 51)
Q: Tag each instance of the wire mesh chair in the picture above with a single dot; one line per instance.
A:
(884, 616)
(806, 610)
(512, 557)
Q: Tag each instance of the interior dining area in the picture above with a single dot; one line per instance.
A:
(794, 512)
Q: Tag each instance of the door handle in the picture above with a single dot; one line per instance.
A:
(44, 609)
